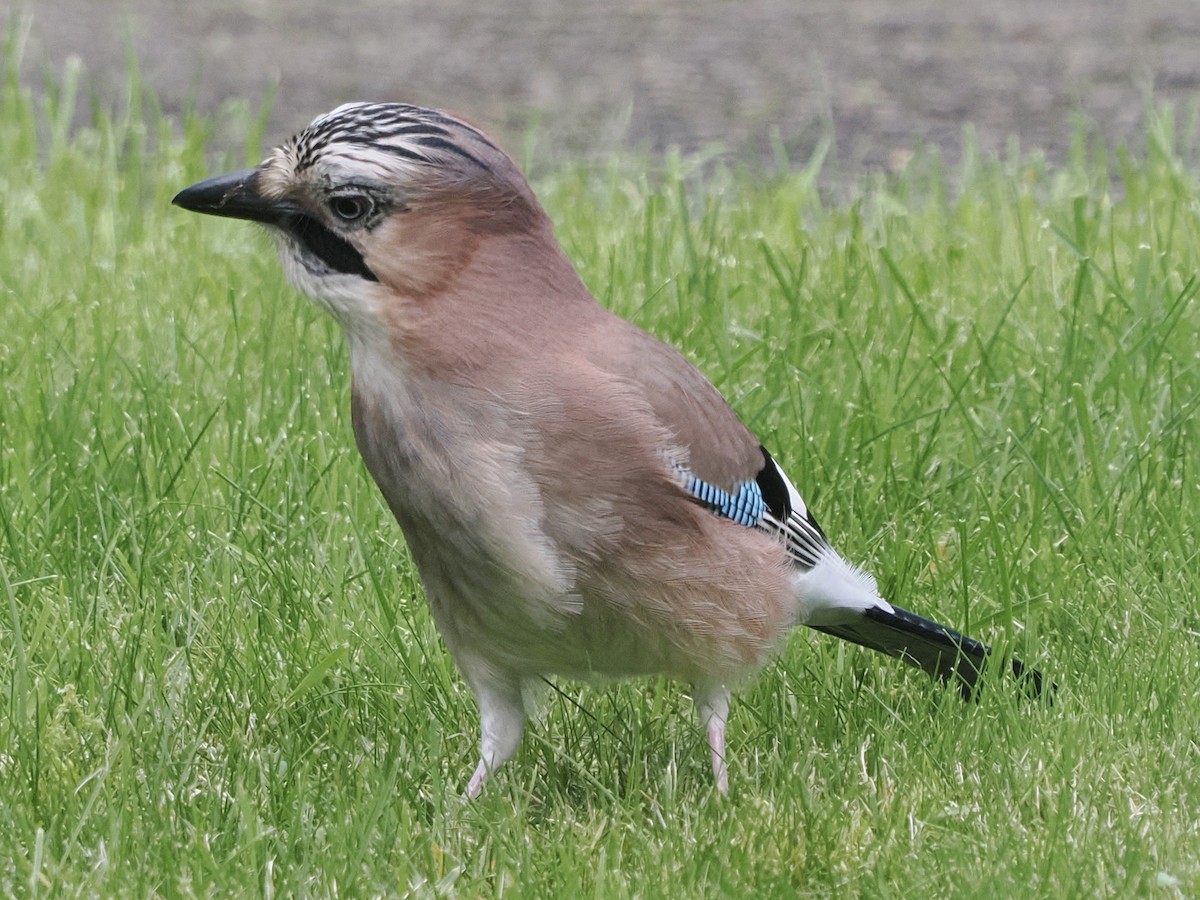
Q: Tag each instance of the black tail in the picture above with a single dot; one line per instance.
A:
(940, 651)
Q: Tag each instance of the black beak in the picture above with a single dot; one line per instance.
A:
(237, 196)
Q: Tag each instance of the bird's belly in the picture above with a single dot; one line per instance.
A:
(570, 622)
(505, 592)
(528, 621)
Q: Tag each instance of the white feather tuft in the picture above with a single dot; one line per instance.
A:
(833, 588)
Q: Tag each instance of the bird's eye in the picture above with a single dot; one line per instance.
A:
(350, 207)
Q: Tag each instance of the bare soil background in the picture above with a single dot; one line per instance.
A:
(879, 77)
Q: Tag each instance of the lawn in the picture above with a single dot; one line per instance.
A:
(219, 673)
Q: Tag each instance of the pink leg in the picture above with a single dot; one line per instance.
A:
(502, 717)
(713, 706)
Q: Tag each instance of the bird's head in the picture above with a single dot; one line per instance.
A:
(377, 195)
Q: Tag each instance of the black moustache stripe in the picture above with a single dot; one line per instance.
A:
(338, 254)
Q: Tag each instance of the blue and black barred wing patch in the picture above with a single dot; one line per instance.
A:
(745, 504)
(769, 503)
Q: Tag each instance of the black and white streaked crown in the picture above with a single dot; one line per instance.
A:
(412, 134)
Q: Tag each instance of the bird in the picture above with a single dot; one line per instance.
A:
(578, 499)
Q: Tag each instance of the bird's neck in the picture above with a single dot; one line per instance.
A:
(508, 294)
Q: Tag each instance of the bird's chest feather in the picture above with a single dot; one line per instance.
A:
(449, 460)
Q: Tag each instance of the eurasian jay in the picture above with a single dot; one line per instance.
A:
(578, 499)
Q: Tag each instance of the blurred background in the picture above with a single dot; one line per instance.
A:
(764, 79)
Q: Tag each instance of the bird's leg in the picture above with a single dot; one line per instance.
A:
(713, 706)
(501, 719)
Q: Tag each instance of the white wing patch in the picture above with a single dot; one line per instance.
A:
(797, 502)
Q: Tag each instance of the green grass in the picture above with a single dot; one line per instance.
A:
(219, 673)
